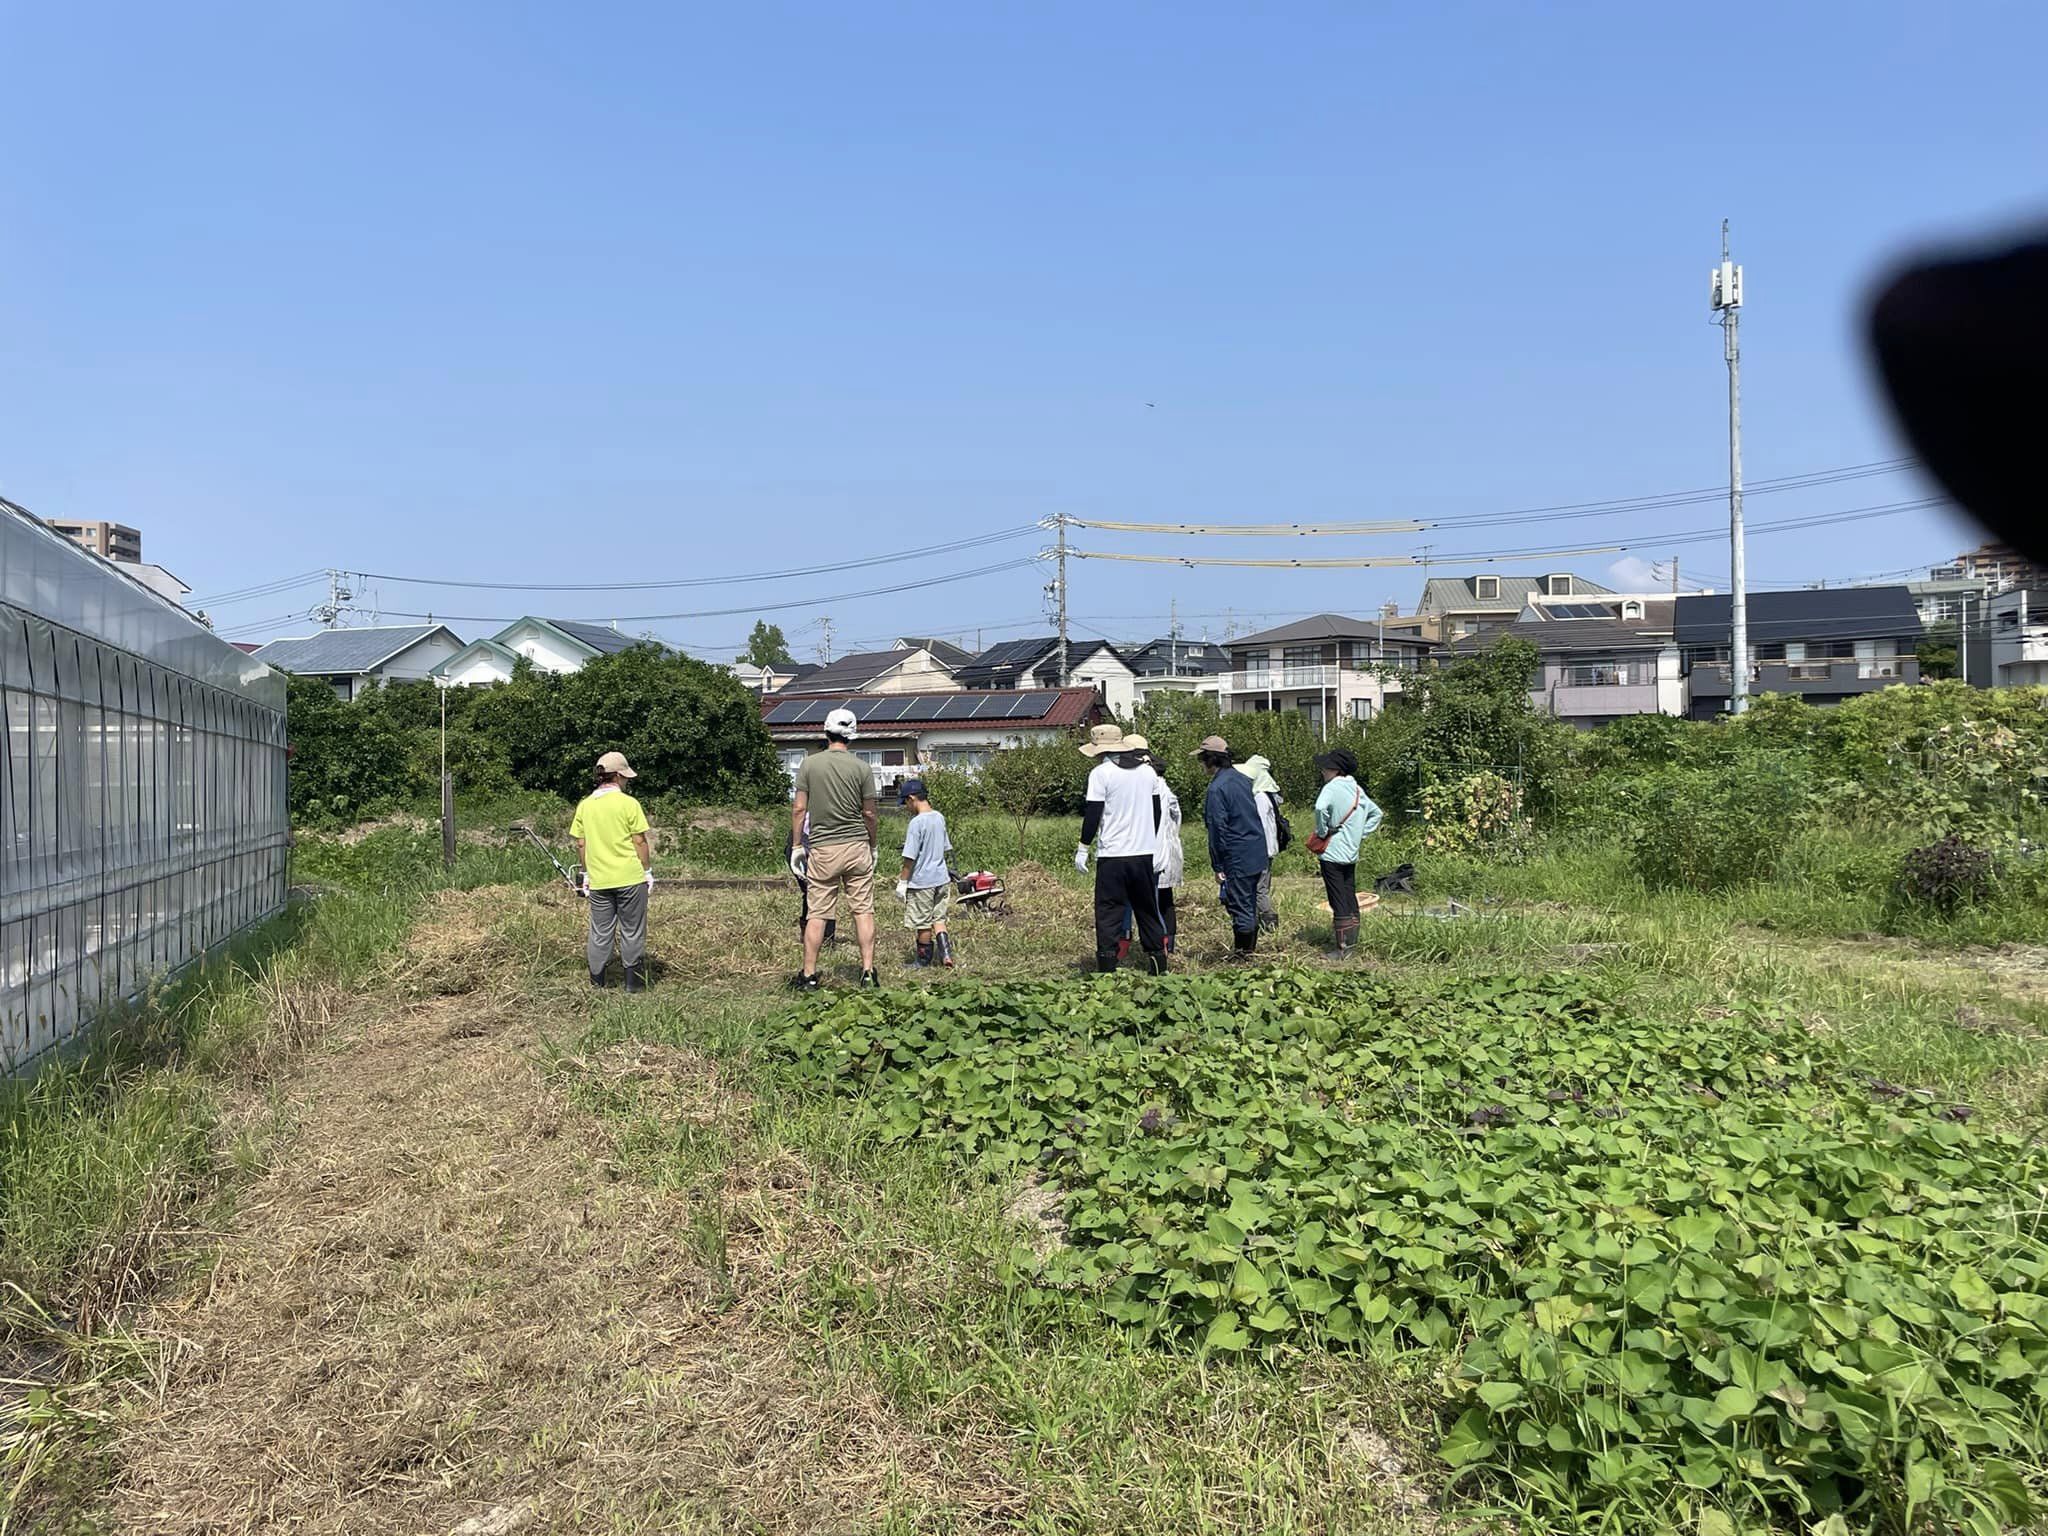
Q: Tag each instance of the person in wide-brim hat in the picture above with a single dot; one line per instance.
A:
(1104, 740)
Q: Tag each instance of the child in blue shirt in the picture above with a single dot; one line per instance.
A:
(926, 887)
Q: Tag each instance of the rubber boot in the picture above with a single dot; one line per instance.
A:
(1156, 964)
(1244, 945)
(597, 979)
(944, 942)
(636, 977)
(924, 955)
(1347, 939)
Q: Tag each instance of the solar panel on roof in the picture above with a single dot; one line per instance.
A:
(815, 710)
(1578, 611)
(960, 707)
(785, 712)
(1032, 704)
(910, 704)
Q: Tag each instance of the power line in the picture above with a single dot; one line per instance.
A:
(826, 600)
(978, 542)
(261, 589)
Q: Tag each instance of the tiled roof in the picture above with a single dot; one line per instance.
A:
(850, 674)
(1458, 594)
(351, 652)
(1324, 626)
(945, 652)
(1185, 658)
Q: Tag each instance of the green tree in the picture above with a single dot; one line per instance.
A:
(348, 761)
(1039, 779)
(1937, 652)
(766, 646)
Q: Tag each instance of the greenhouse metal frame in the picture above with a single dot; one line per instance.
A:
(143, 813)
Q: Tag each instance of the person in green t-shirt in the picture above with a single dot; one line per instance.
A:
(835, 790)
(610, 831)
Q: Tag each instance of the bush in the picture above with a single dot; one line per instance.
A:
(1947, 874)
(1464, 815)
(1707, 830)
(346, 762)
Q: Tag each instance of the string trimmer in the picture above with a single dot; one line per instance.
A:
(533, 837)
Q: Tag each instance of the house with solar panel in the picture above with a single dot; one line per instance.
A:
(553, 645)
(352, 661)
(1598, 657)
(1486, 604)
(902, 734)
(1035, 664)
(909, 666)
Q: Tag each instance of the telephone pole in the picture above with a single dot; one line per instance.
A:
(1060, 590)
(1727, 302)
(825, 639)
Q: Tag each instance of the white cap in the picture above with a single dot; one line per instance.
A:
(841, 723)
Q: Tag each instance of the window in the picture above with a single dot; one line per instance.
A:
(1257, 665)
(1631, 610)
(1486, 587)
(1361, 709)
(1608, 672)
(1558, 586)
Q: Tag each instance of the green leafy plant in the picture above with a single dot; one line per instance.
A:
(1947, 874)
(1686, 1274)
(1464, 815)
(1703, 829)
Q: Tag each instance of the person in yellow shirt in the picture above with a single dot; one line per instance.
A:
(610, 831)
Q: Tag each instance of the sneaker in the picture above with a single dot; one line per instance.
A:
(867, 979)
(806, 981)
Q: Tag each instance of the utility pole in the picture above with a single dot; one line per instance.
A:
(825, 639)
(1173, 637)
(1060, 582)
(1727, 303)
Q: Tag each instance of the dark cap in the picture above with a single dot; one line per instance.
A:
(911, 787)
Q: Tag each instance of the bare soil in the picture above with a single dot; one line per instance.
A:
(444, 1310)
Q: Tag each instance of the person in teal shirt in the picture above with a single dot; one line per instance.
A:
(1345, 815)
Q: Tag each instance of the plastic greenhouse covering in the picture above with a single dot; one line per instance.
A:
(143, 813)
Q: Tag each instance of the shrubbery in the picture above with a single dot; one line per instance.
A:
(1704, 830)
(692, 731)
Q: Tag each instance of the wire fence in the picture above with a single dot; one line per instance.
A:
(143, 813)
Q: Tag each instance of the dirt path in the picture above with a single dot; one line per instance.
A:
(443, 1311)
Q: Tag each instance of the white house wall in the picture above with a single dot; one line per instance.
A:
(418, 660)
(547, 651)
(481, 672)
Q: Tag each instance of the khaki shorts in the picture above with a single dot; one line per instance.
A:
(836, 865)
(926, 906)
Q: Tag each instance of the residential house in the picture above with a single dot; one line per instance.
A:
(2018, 631)
(902, 733)
(769, 679)
(1327, 667)
(1823, 644)
(1600, 657)
(1035, 663)
(1486, 604)
(352, 661)
(907, 667)
(552, 645)
(1177, 665)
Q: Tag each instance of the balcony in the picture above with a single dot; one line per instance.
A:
(1841, 676)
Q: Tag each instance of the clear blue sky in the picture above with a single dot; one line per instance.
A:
(541, 292)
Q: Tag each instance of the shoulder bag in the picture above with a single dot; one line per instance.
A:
(1319, 842)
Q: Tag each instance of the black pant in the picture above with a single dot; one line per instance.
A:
(1127, 882)
(1168, 918)
(1340, 884)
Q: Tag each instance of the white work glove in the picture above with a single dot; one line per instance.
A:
(1081, 857)
(902, 890)
(800, 862)
(650, 877)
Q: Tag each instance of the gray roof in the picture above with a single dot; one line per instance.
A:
(1457, 594)
(1324, 626)
(945, 652)
(1825, 613)
(347, 652)
(1186, 658)
(601, 638)
(1574, 635)
(851, 673)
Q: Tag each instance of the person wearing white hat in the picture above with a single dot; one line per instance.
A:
(610, 831)
(835, 794)
(1121, 815)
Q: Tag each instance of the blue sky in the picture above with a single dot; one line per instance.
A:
(647, 292)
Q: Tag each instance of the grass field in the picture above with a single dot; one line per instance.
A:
(363, 1232)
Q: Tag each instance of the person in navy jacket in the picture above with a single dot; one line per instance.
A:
(1237, 843)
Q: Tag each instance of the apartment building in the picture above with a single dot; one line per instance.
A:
(1329, 668)
(114, 541)
(1824, 644)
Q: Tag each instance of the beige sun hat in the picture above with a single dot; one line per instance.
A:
(1211, 744)
(615, 762)
(1103, 739)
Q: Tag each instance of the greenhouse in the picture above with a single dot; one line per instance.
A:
(142, 790)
